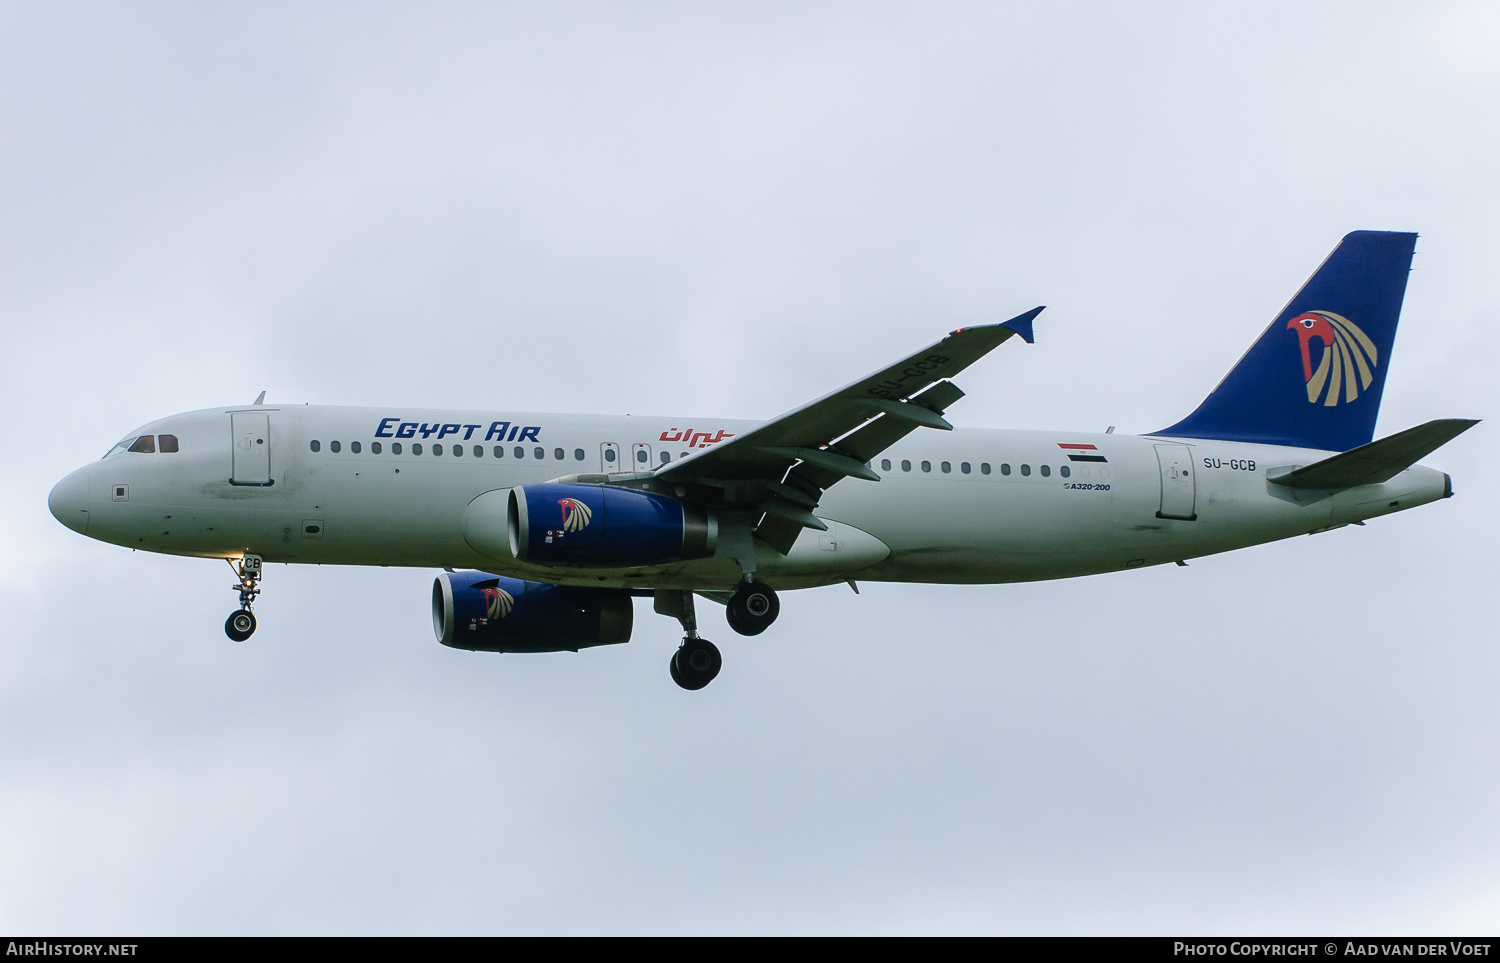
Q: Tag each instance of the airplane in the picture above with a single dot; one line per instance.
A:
(547, 526)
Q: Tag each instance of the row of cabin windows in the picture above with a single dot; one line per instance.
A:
(147, 444)
(457, 451)
(169, 443)
(984, 468)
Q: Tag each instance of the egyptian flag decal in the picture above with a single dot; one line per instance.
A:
(1082, 452)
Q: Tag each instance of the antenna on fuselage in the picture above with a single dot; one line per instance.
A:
(260, 399)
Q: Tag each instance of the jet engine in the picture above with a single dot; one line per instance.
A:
(597, 526)
(492, 613)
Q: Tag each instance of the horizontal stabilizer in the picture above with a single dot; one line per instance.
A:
(1376, 462)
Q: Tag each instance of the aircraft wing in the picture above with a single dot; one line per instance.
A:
(780, 468)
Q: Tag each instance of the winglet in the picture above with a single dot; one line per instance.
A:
(1021, 323)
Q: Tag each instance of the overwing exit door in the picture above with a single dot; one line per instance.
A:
(609, 458)
(1179, 492)
(251, 432)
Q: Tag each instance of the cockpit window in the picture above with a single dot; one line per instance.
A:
(145, 444)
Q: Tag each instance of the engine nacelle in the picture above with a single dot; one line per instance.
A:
(598, 526)
(492, 613)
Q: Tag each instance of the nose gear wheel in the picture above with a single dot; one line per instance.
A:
(240, 625)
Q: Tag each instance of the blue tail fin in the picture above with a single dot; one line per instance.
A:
(1314, 378)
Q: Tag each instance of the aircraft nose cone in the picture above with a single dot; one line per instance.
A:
(69, 501)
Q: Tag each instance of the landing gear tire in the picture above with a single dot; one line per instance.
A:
(240, 625)
(696, 663)
(752, 608)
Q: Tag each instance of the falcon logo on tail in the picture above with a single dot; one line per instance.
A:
(1348, 360)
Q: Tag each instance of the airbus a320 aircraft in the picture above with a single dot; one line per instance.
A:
(559, 520)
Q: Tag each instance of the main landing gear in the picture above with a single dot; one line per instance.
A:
(697, 661)
(241, 624)
(752, 608)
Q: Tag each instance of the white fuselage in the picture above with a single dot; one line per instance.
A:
(973, 505)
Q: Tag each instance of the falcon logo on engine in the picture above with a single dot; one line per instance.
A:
(575, 514)
(497, 602)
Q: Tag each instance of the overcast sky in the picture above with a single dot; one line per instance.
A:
(712, 209)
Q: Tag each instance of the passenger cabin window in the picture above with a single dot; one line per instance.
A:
(578, 454)
(885, 464)
(333, 446)
(520, 452)
(965, 468)
(946, 467)
(499, 452)
(315, 445)
(145, 444)
(559, 454)
(416, 448)
(436, 449)
(478, 451)
(374, 447)
(540, 453)
(395, 447)
(1064, 471)
(905, 465)
(927, 466)
(354, 447)
(984, 468)
(1005, 468)
(666, 456)
(1046, 471)
(167, 443)
(1025, 469)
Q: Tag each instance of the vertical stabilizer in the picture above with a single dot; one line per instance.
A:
(1315, 376)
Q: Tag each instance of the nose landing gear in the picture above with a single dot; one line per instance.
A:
(241, 624)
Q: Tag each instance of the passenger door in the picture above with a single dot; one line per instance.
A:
(251, 431)
(1179, 492)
